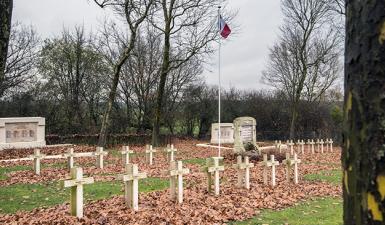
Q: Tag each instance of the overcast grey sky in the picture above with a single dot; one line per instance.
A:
(243, 56)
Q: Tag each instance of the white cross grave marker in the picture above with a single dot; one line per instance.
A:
(291, 144)
(318, 145)
(213, 167)
(176, 180)
(289, 164)
(131, 185)
(170, 152)
(76, 185)
(100, 157)
(311, 145)
(243, 177)
(150, 154)
(37, 157)
(331, 145)
(272, 163)
(70, 155)
(278, 146)
(322, 145)
(302, 144)
(126, 154)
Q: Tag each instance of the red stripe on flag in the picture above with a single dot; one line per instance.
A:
(225, 31)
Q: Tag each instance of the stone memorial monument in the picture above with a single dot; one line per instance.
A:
(227, 133)
(244, 133)
(22, 132)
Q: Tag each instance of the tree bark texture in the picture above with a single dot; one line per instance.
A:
(6, 7)
(363, 157)
(162, 83)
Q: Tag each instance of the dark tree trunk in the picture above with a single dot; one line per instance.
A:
(111, 99)
(6, 7)
(161, 87)
(363, 157)
(114, 86)
(293, 119)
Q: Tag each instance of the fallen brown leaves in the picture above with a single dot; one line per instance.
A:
(199, 207)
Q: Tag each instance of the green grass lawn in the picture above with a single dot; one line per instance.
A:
(5, 170)
(29, 196)
(331, 176)
(323, 211)
(196, 161)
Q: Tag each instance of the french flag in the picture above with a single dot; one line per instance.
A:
(224, 29)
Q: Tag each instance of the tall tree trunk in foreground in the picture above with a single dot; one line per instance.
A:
(135, 12)
(6, 7)
(162, 84)
(363, 155)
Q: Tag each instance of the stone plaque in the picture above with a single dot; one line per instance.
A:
(227, 133)
(247, 133)
(20, 132)
(244, 132)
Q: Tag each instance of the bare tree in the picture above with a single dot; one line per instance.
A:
(177, 82)
(188, 28)
(199, 108)
(72, 66)
(304, 63)
(21, 58)
(6, 8)
(134, 13)
(338, 6)
(140, 77)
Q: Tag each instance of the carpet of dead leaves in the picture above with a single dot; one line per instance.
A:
(199, 206)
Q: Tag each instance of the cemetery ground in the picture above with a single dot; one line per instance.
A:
(26, 198)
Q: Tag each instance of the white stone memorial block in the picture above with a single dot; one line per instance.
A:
(266, 164)
(22, 132)
(37, 157)
(170, 150)
(150, 154)
(244, 132)
(213, 168)
(126, 154)
(243, 171)
(100, 153)
(176, 180)
(227, 133)
(76, 183)
(131, 185)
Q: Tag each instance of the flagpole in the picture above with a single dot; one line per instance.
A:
(219, 85)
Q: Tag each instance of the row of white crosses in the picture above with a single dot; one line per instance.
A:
(291, 164)
(320, 145)
(213, 168)
(243, 169)
(150, 152)
(311, 143)
(132, 176)
(70, 155)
